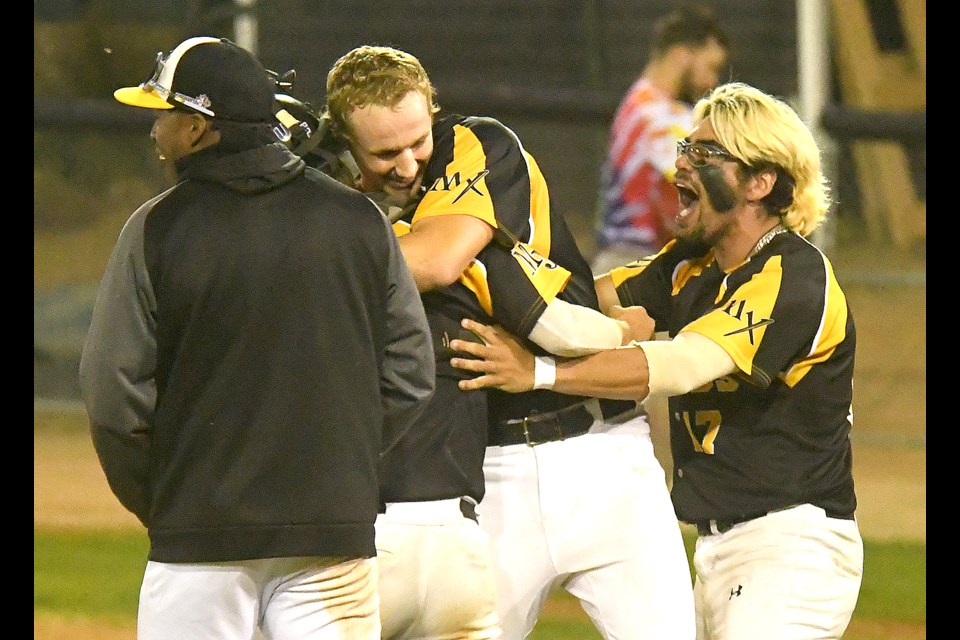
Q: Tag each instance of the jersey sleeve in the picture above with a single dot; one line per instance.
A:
(462, 185)
(777, 318)
(118, 368)
(522, 283)
(481, 169)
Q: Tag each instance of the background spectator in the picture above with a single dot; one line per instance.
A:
(637, 198)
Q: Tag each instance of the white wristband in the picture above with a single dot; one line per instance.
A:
(544, 372)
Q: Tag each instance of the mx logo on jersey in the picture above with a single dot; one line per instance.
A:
(450, 183)
(735, 309)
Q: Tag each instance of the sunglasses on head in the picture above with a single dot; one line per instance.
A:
(154, 85)
(699, 153)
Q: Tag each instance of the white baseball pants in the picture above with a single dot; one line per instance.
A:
(792, 575)
(309, 598)
(436, 577)
(592, 514)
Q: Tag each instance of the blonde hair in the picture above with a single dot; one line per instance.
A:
(763, 131)
(373, 75)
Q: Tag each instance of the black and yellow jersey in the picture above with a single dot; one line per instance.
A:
(480, 168)
(776, 433)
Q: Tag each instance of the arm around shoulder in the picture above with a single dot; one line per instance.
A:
(439, 248)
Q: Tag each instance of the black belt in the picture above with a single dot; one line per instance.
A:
(713, 527)
(539, 428)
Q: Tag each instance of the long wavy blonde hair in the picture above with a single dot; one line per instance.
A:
(764, 131)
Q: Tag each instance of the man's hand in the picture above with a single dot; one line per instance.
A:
(502, 361)
(641, 325)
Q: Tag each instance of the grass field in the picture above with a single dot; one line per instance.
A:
(95, 575)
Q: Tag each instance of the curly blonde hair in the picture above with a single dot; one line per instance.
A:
(373, 75)
(765, 132)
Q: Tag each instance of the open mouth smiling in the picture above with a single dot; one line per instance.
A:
(689, 197)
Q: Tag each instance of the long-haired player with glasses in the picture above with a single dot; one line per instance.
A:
(757, 369)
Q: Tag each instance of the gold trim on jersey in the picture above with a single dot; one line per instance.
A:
(540, 238)
(401, 228)
(463, 190)
(832, 331)
(474, 278)
(547, 276)
(685, 270)
(690, 269)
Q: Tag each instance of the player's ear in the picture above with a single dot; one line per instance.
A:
(760, 183)
(198, 128)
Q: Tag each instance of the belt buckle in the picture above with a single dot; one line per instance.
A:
(526, 433)
(533, 443)
(713, 527)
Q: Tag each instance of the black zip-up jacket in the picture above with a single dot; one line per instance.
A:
(256, 341)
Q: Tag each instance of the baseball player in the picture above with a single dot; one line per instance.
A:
(436, 573)
(759, 374)
(566, 496)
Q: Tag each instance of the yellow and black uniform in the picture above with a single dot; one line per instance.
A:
(568, 498)
(776, 433)
(480, 168)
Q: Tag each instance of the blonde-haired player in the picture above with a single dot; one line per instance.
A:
(758, 371)
(570, 493)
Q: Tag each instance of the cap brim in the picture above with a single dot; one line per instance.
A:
(137, 97)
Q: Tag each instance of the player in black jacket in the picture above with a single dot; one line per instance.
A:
(256, 342)
(759, 374)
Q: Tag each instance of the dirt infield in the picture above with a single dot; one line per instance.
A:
(57, 628)
(891, 484)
